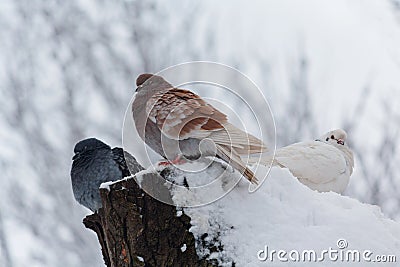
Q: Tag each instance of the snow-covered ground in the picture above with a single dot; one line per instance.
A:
(286, 215)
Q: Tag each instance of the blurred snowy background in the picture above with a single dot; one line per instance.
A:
(67, 71)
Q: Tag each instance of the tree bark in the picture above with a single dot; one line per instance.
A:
(134, 229)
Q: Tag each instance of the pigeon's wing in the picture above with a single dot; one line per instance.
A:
(124, 159)
(181, 114)
(314, 161)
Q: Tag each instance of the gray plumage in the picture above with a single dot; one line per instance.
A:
(94, 163)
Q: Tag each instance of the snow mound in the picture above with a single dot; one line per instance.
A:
(285, 215)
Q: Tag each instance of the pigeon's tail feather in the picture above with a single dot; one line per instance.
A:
(233, 159)
(242, 142)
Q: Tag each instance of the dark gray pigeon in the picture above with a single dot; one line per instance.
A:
(94, 163)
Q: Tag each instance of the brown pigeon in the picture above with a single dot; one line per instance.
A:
(179, 125)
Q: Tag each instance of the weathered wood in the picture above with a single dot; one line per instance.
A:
(134, 229)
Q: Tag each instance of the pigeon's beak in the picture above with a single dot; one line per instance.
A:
(340, 141)
(76, 156)
(137, 88)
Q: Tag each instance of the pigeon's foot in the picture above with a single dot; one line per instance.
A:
(177, 161)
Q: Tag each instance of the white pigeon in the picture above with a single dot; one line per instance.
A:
(323, 165)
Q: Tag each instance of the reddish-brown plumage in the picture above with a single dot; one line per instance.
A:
(185, 112)
(165, 115)
(142, 78)
(212, 125)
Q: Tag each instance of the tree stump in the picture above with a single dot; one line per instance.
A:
(134, 229)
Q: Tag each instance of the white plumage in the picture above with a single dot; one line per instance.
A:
(323, 165)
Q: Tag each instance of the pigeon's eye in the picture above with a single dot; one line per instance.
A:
(332, 136)
(327, 139)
